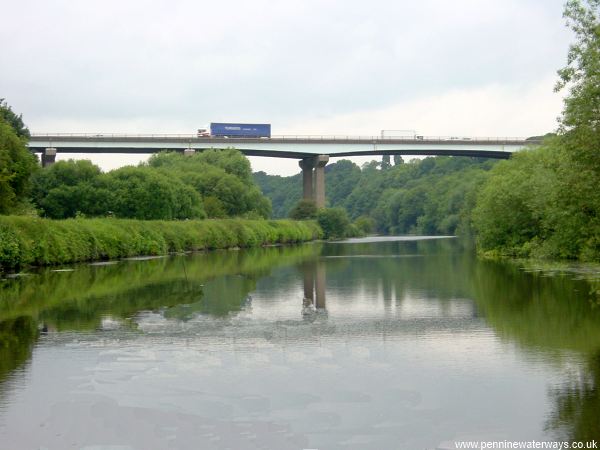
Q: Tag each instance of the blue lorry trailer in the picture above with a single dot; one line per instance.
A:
(257, 130)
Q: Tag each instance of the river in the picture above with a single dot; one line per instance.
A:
(394, 343)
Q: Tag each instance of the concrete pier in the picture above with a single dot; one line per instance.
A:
(313, 178)
(48, 156)
(306, 165)
(319, 195)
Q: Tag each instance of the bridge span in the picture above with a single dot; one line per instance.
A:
(312, 151)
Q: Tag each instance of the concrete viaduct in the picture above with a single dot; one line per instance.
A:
(313, 152)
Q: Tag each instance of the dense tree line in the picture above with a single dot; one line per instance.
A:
(213, 184)
(433, 196)
(16, 162)
(284, 192)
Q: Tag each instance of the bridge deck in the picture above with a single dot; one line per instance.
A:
(282, 146)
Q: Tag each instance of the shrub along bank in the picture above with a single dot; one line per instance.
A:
(33, 241)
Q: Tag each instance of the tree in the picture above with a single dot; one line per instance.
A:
(16, 166)
(284, 192)
(334, 222)
(144, 193)
(342, 177)
(365, 224)
(15, 121)
(582, 73)
(304, 209)
(68, 187)
(224, 176)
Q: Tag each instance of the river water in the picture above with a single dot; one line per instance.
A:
(394, 343)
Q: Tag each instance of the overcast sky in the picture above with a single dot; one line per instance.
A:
(460, 68)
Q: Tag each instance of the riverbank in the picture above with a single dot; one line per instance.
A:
(28, 241)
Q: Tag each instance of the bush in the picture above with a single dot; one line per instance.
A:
(365, 224)
(334, 222)
(304, 209)
(16, 166)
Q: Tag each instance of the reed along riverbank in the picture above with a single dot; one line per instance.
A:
(28, 241)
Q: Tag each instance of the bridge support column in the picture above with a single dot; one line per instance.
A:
(307, 177)
(48, 156)
(319, 194)
(189, 152)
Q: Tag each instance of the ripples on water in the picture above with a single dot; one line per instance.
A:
(366, 344)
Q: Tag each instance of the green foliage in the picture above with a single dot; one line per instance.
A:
(15, 121)
(582, 73)
(516, 193)
(27, 241)
(16, 166)
(139, 193)
(542, 203)
(284, 192)
(429, 196)
(224, 176)
(304, 209)
(365, 224)
(216, 184)
(342, 178)
(67, 187)
(334, 222)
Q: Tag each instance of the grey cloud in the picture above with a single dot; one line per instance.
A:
(265, 60)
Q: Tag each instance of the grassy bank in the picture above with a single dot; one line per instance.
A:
(32, 241)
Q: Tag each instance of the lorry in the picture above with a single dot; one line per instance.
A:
(233, 130)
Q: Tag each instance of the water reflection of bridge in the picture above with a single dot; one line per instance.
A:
(314, 279)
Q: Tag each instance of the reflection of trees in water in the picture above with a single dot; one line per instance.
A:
(432, 268)
(548, 315)
(88, 314)
(17, 338)
(577, 405)
(215, 283)
(79, 300)
(219, 297)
